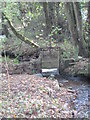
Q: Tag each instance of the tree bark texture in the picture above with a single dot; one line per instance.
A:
(73, 14)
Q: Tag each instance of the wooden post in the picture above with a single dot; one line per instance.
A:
(59, 57)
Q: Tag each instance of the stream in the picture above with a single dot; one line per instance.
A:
(82, 87)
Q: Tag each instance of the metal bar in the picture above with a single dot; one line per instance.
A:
(47, 48)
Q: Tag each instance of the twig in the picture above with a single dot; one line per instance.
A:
(7, 73)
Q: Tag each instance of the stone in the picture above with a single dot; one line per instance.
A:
(72, 91)
(70, 88)
(38, 74)
(60, 85)
(65, 81)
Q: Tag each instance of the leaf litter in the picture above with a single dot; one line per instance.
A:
(34, 97)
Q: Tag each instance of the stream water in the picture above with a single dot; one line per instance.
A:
(82, 101)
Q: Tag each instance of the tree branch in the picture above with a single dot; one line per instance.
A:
(25, 39)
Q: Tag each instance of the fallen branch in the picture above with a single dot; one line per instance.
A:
(25, 39)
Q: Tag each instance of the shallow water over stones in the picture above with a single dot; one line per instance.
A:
(82, 101)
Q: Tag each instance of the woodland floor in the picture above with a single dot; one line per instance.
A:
(34, 97)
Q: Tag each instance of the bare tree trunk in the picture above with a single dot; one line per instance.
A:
(45, 8)
(89, 12)
(73, 21)
(26, 40)
(57, 12)
(4, 24)
(88, 18)
(78, 17)
(51, 7)
(21, 11)
(88, 29)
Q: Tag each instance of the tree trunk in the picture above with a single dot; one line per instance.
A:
(20, 9)
(88, 19)
(57, 12)
(78, 18)
(88, 12)
(88, 29)
(71, 22)
(26, 40)
(73, 26)
(51, 7)
(4, 24)
(45, 8)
